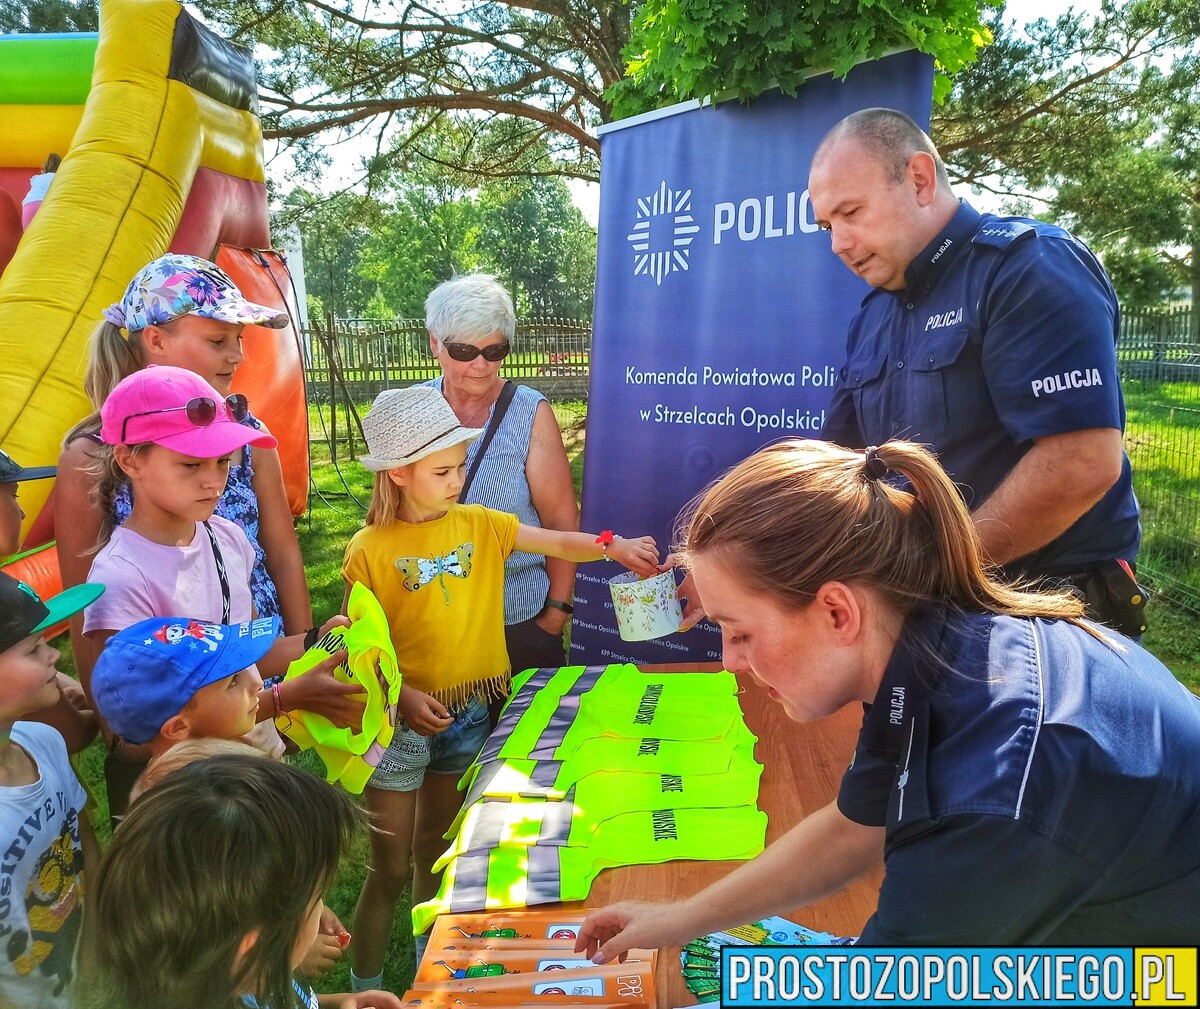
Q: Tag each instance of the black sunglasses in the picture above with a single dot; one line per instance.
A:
(201, 411)
(468, 351)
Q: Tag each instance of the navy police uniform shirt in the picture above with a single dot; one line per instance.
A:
(1037, 785)
(1006, 333)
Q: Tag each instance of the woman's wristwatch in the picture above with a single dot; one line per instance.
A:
(558, 604)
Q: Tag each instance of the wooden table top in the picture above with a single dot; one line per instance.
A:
(802, 768)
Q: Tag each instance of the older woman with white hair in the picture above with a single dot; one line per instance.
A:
(518, 465)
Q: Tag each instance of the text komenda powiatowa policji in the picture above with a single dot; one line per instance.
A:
(809, 376)
(779, 418)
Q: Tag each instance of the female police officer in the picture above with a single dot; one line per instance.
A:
(1029, 777)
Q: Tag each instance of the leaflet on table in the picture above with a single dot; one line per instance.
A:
(436, 998)
(532, 924)
(774, 931)
(627, 982)
(700, 959)
(438, 965)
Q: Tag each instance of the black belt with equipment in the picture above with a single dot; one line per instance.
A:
(1112, 596)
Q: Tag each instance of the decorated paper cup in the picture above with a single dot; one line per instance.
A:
(645, 607)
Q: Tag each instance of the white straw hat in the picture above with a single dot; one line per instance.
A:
(406, 425)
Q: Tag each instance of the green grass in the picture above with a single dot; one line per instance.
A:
(1173, 639)
(1163, 440)
(338, 499)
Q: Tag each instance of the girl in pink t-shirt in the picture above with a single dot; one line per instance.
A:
(172, 435)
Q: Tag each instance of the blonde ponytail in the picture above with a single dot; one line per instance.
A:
(111, 358)
(957, 571)
(800, 513)
(108, 479)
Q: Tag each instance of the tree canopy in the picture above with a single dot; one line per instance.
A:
(526, 84)
(20, 16)
(1094, 117)
(1089, 118)
(378, 256)
(732, 48)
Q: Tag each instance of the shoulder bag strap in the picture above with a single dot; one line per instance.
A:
(502, 402)
(222, 577)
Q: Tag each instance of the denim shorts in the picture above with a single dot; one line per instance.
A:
(411, 755)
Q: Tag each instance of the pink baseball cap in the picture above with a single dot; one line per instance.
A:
(177, 409)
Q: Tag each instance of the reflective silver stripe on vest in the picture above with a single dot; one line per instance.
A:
(483, 778)
(545, 875)
(518, 707)
(541, 779)
(487, 823)
(492, 817)
(565, 714)
(469, 892)
(557, 820)
(514, 711)
(545, 773)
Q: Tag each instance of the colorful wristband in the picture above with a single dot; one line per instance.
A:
(277, 696)
(605, 540)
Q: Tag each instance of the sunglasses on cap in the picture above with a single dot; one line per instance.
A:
(201, 411)
(468, 351)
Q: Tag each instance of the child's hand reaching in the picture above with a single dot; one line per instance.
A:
(639, 554)
(321, 956)
(319, 691)
(424, 714)
(337, 620)
(328, 946)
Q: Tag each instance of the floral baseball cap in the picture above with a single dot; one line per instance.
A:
(176, 285)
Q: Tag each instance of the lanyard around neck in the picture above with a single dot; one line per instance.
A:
(221, 575)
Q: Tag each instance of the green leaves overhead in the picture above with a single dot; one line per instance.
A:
(533, 73)
(680, 49)
(22, 16)
(1095, 117)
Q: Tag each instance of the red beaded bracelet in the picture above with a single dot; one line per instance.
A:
(605, 540)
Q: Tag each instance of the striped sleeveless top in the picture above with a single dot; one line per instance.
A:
(500, 483)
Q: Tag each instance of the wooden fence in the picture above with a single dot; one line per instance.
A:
(1160, 345)
(1159, 359)
(359, 357)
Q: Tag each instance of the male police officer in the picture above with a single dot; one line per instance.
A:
(993, 340)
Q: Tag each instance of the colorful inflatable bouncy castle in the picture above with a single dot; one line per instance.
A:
(162, 151)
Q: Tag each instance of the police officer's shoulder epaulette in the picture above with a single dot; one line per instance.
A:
(1003, 232)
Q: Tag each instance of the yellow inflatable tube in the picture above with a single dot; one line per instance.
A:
(115, 205)
(31, 132)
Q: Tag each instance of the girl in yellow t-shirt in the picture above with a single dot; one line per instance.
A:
(437, 567)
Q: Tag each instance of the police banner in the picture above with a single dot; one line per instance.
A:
(720, 312)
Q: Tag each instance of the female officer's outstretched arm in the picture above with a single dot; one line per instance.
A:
(821, 854)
